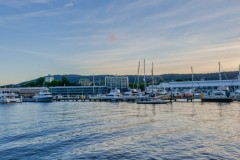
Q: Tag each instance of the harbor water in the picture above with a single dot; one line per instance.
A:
(104, 130)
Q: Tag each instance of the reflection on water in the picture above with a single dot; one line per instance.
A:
(76, 130)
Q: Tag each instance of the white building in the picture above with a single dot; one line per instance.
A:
(85, 82)
(211, 84)
(49, 78)
(119, 82)
(25, 90)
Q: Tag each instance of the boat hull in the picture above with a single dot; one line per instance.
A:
(152, 101)
(47, 99)
(11, 100)
(216, 99)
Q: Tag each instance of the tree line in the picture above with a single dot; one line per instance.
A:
(40, 82)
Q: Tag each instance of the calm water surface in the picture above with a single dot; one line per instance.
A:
(92, 130)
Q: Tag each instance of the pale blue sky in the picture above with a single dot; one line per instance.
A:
(40, 37)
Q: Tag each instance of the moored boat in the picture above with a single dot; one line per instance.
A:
(114, 93)
(42, 96)
(157, 100)
(9, 97)
(217, 96)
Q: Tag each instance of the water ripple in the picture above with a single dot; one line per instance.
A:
(78, 130)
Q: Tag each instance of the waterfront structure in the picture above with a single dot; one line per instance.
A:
(49, 78)
(119, 82)
(78, 90)
(203, 85)
(26, 91)
(85, 82)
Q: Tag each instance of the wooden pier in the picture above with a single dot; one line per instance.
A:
(70, 98)
(119, 99)
(213, 99)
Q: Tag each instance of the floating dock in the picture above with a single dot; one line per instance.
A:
(213, 99)
(152, 102)
(70, 98)
(118, 99)
(134, 99)
(36, 100)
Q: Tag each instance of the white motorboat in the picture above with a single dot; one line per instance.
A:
(9, 97)
(42, 96)
(132, 92)
(114, 93)
(217, 96)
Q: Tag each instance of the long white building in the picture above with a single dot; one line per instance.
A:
(25, 90)
(211, 84)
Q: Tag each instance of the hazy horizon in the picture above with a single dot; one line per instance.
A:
(85, 37)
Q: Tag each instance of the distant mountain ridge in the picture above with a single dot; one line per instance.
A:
(73, 78)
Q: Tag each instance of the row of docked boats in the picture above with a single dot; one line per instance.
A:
(7, 96)
(132, 94)
(156, 95)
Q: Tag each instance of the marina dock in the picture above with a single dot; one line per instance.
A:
(70, 98)
(120, 99)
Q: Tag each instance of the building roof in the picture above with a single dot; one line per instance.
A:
(211, 83)
(62, 87)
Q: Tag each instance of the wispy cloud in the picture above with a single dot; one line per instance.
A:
(120, 60)
(33, 14)
(112, 36)
(68, 5)
(21, 51)
(20, 3)
(133, 5)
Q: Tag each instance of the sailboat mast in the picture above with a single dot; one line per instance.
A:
(220, 77)
(192, 77)
(239, 72)
(138, 74)
(144, 76)
(93, 83)
(239, 75)
(152, 77)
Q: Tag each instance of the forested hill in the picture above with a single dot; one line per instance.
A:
(73, 79)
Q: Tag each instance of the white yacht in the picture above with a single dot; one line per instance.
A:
(114, 93)
(43, 96)
(9, 97)
(132, 92)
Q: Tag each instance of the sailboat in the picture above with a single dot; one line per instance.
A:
(236, 94)
(217, 95)
(134, 91)
(153, 99)
(151, 90)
